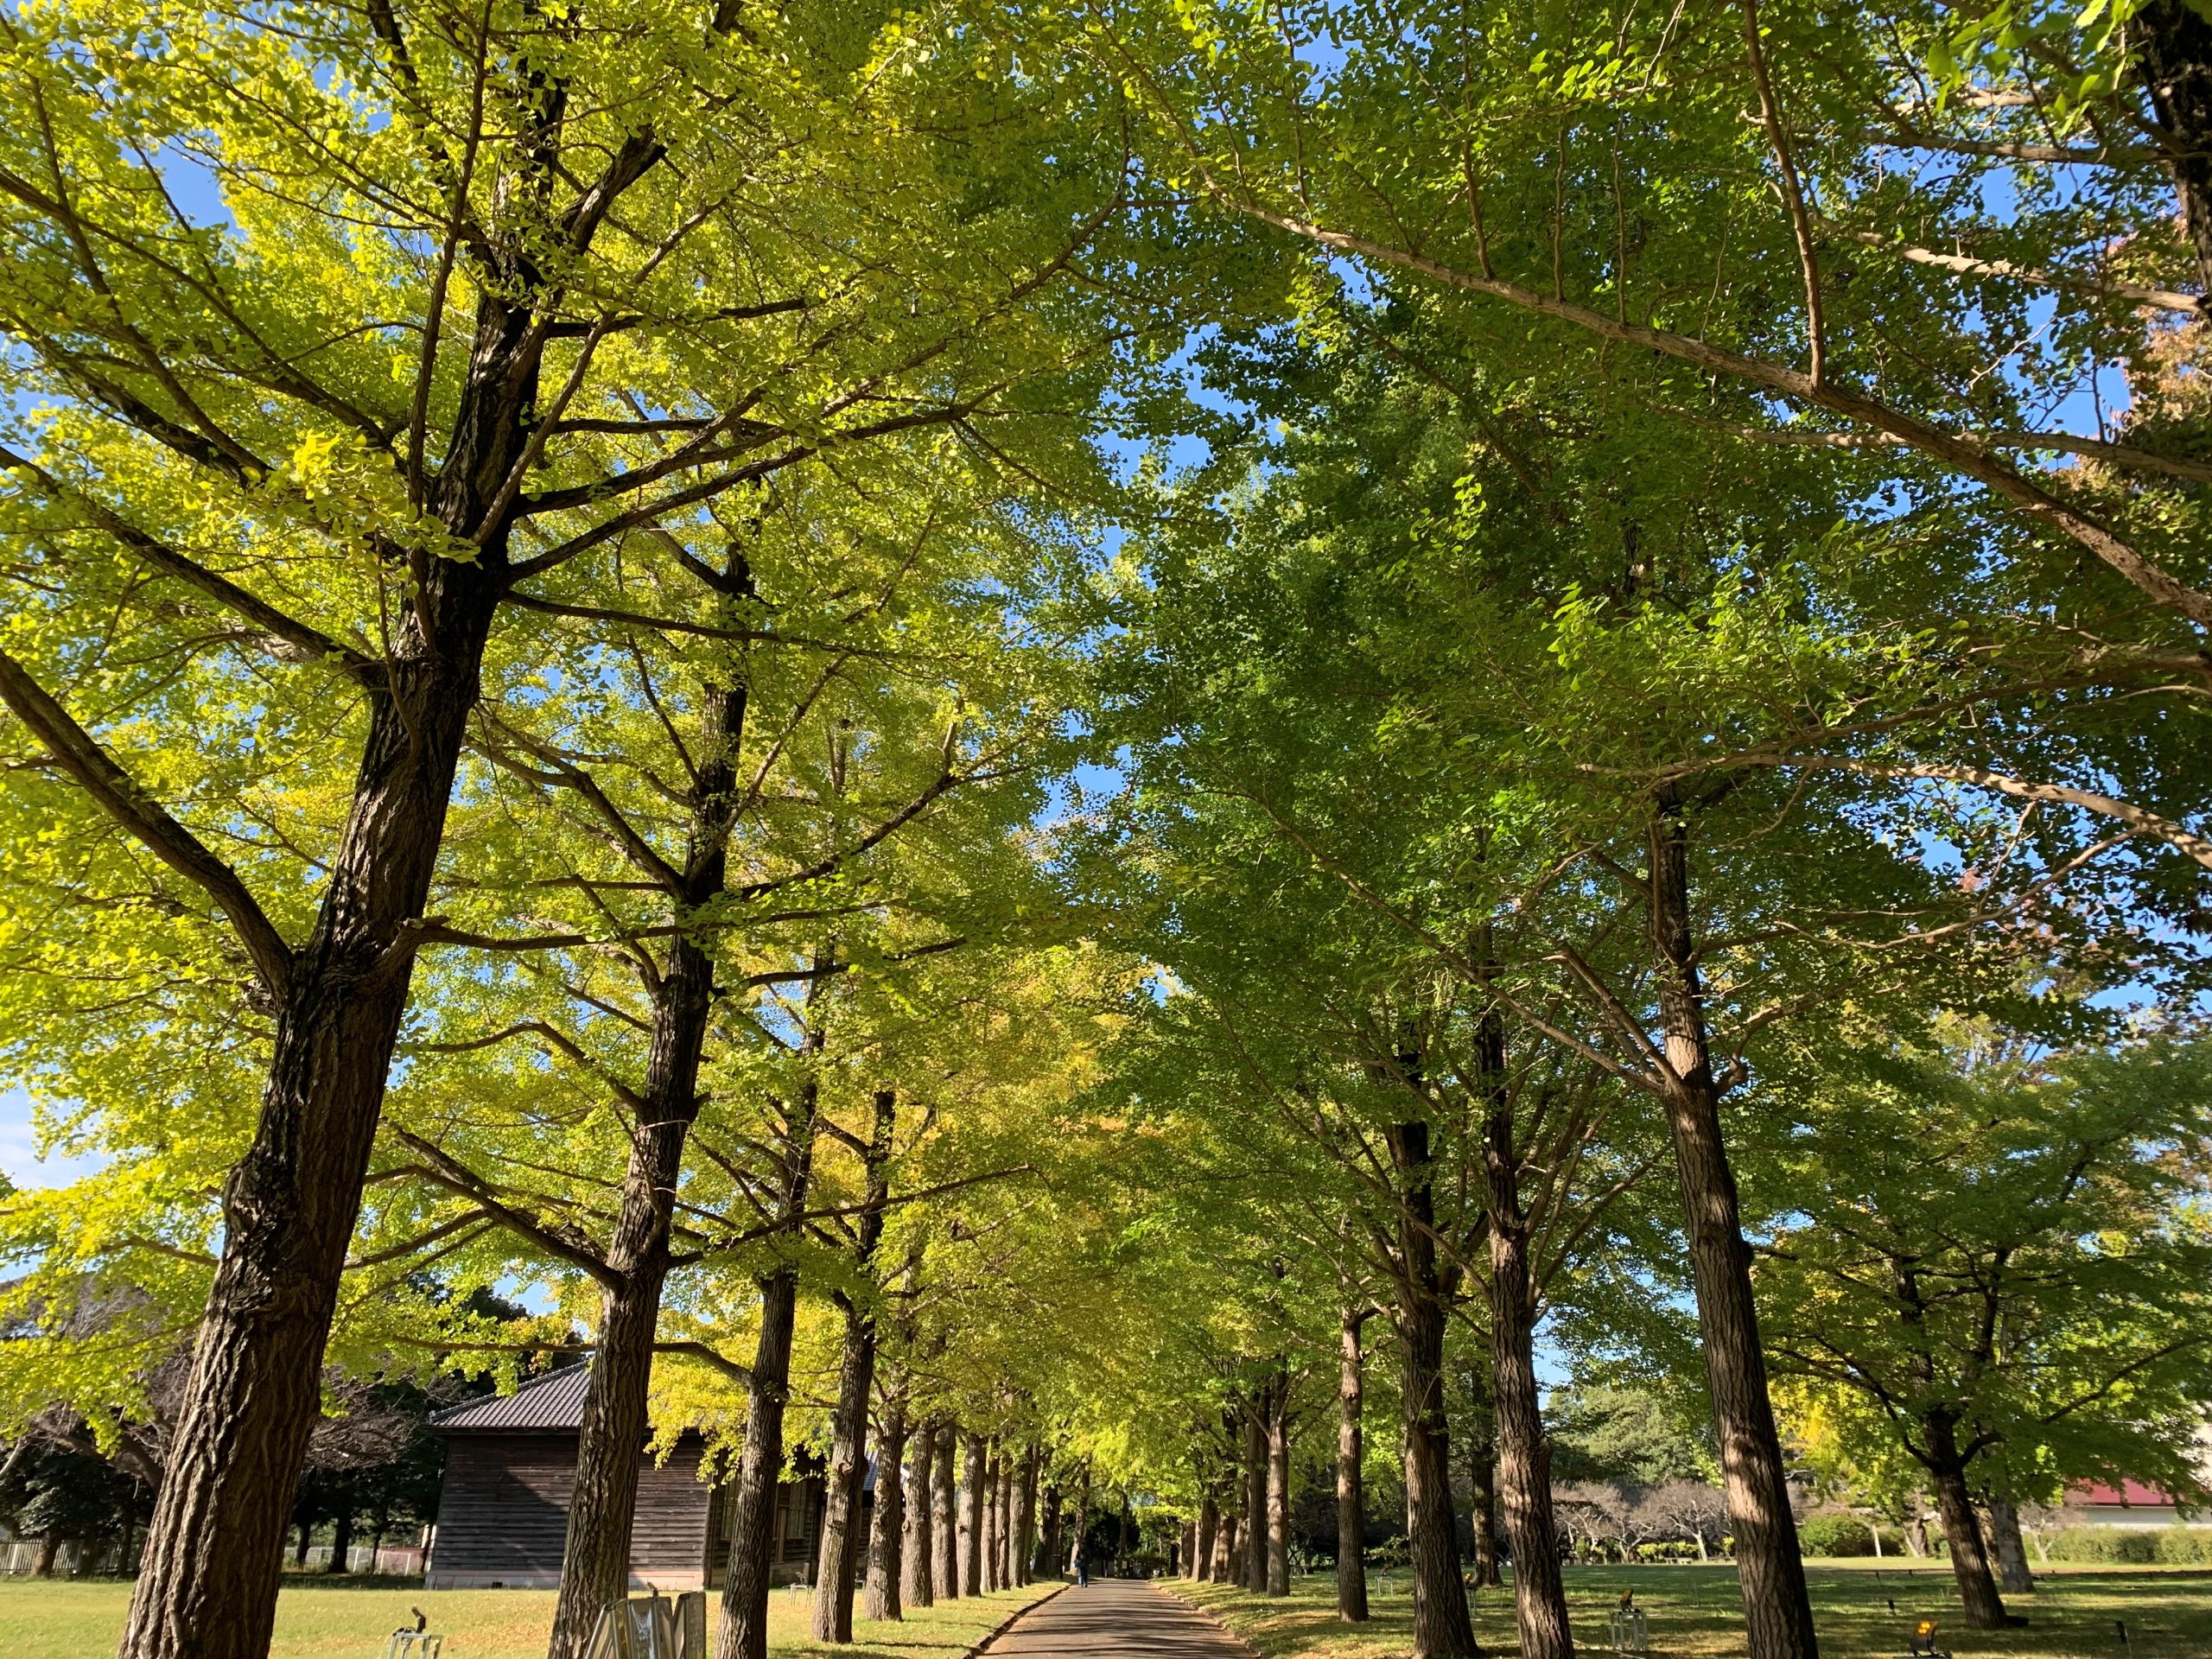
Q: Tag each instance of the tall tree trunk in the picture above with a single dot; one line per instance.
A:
(307, 1541)
(944, 1516)
(1228, 1549)
(1352, 1453)
(1278, 1582)
(917, 1551)
(755, 1543)
(994, 1548)
(971, 1515)
(841, 1543)
(887, 1523)
(1778, 1610)
(1524, 1456)
(1025, 1516)
(209, 1574)
(2173, 62)
(1442, 1629)
(1255, 1492)
(1049, 1546)
(1002, 1539)
(1202, 1545)
(1985, 1607)
(2013, 1577)
(1482, 1477)
(341, 1542)
(602, 1508)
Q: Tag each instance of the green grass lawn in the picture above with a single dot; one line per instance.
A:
(1694, 1610)
(72, 1620)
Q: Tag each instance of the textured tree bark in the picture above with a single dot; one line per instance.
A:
(841, 1519)
(1482, 1477)
(944, 1516)
(1279, 1490)
(1778, 1610)
(888, 1524)
(596, 1552)
(1049, 1546)
(1352, 1495)
(1524, 1455)
(994, 1542)
(1003, 1493)
(971, 1515)
(917, 1550)
(2013, 1576)
(1025, 1515)
(209, 1574)
(1442, 1629)
(1202, 1545)
(742, 1632)
(1228, 1549)
(341, 1540)
(2173, 62)
(1985, 1607)
(1256, 1493)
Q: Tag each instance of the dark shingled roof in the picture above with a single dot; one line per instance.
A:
(554, 1400)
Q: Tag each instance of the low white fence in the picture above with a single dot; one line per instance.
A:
(19, 1558)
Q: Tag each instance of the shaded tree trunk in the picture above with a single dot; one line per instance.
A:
(1482, 1479)
(306, 1542)
(209, 1573)
(603, 1508)
(1255, 1576)
(1523, 1454)
(1049, 1548)
(1202, 1542)
(1278, 1582)
(944, 1516)
(841, 1543)
(1778, 1610)
(1229, 1550)
(917, 1550)
(1025, 1516)
(887, 1528)
(971, 1515)
(754, 1544)
(341, 1542)
(1351, 1494)
(2013, 1578)
(1442, 1629)
(1985, 1607)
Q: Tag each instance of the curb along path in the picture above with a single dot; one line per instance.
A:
(1112, 1617)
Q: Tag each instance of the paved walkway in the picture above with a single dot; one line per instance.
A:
(1108, 1618)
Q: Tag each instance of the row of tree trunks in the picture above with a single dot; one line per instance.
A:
(841, 1543)
(1778, 1610)
(917, 1549)
(1352, 1492)
(1442, 1627)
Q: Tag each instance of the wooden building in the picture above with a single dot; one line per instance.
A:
(511, 1467)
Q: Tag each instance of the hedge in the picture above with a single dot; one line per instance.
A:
(2170, 1546)
(1834, 1534)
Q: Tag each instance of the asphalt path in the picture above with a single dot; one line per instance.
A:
(1108, 1618)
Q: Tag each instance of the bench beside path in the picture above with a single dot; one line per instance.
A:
(1110, 1618)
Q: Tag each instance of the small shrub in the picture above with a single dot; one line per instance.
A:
(1834, 1534)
